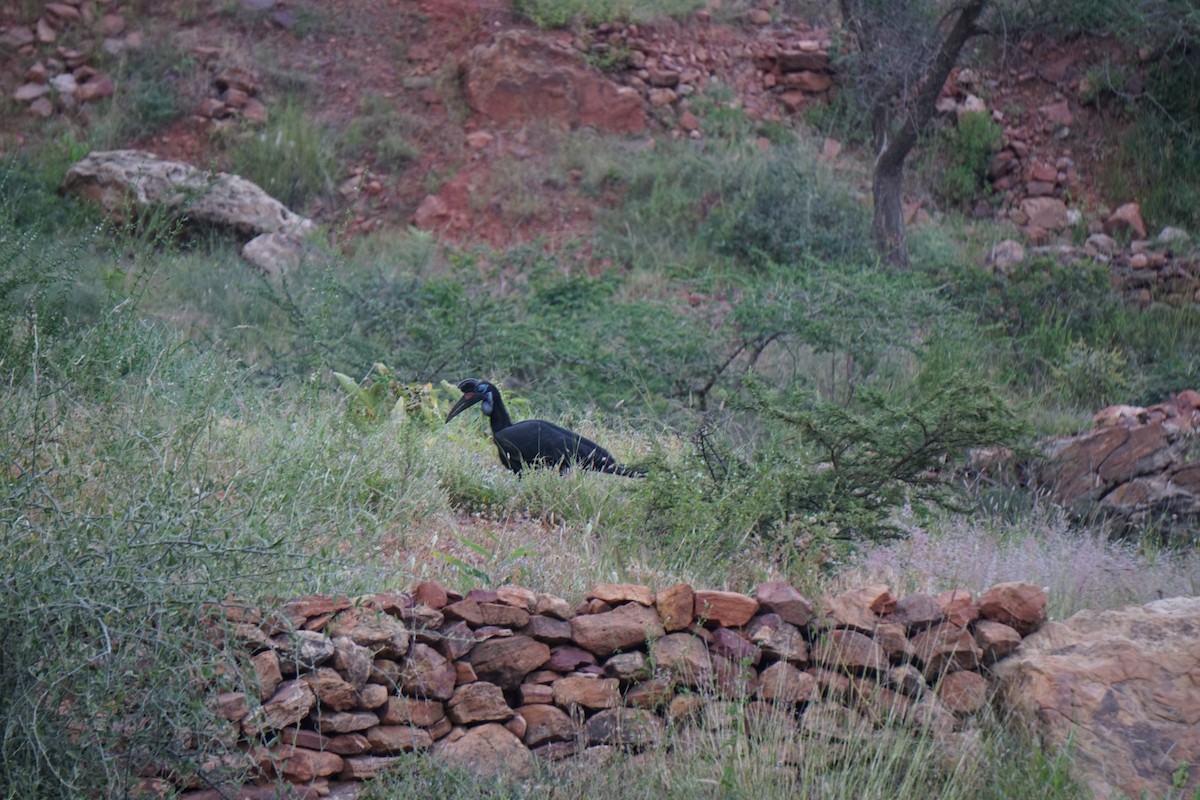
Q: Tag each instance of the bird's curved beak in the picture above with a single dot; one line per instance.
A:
(466, 401)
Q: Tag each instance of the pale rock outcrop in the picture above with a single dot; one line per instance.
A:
(1122, 687)
(276, 252)
(132, 182)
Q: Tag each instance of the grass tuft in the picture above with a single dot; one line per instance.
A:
(293, 158)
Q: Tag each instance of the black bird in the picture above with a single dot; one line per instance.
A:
(534, 442)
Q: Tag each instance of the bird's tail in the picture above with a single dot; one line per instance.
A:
(621, 469)
(600, 460)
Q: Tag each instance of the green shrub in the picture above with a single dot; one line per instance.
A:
(779, 213)
(1060, 332)
(961, 155)
(293, 158)
(1037, 313)
(1158, 343)
(588, 13)
(112, 547)
(611, 59)
(830, 475)
(30, 183)
(1103, 83)
(694, 210)
(1087, 375)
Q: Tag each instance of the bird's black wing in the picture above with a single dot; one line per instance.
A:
(540, 443)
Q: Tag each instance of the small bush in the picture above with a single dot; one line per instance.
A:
(1038, 313)
(30, 197)
(779, 213)
(831, 475)
(293, 159)
(111, 585)
(155, 86)
(961, 155)
(729, 204)
(1091, 376)
(612, 59)
(1103, 82)
(381, 131)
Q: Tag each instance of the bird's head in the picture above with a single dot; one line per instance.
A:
(474, 391)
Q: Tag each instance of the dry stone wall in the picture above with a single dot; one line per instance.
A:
(497, 680)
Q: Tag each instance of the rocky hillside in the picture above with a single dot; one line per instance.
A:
(474, 79)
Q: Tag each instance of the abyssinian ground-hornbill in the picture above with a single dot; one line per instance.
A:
(534, 442)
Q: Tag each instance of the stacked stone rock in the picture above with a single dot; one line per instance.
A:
(66, 78)
(791, 64)
(235, 93)
(496, 679)
(1149, 271)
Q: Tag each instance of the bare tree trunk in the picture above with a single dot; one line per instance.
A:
(887, 190)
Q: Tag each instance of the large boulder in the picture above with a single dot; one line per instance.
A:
(1121, 687)
(520, 78)
(130, 182)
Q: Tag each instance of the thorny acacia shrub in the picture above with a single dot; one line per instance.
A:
(131, 506)
(832, 475)
(111, 543)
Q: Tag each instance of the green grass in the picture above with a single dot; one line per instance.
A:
(293, 158)
(565, 13)
(156, 85)
(167, 479)
(1155, 150)
(727, 755)
(384, 134)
